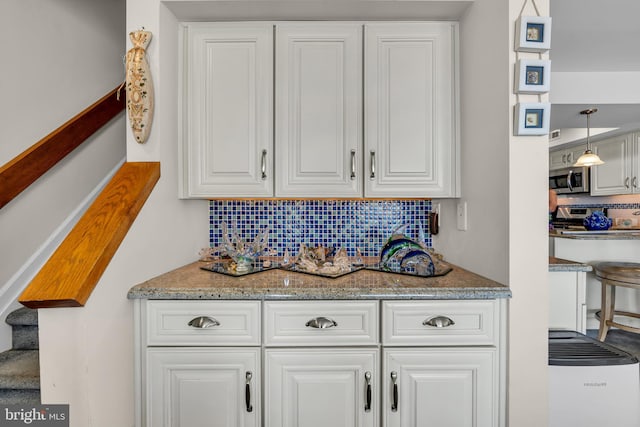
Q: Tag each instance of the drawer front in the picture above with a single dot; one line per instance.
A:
(212, 323)
(319, 323)
(415, 323)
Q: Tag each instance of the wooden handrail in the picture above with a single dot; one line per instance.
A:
(72, 272)
(26, 168)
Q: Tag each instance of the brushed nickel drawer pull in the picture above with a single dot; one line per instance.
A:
(321, 323)
(439, 322)
(203, 322)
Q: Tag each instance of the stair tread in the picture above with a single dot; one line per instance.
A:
(23, 317)
(19, 369)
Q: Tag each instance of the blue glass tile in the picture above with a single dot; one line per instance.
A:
(363, 225)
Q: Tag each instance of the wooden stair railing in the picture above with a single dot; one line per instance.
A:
(26, 168)
(72, 272)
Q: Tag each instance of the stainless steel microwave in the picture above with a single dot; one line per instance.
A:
(569, 180)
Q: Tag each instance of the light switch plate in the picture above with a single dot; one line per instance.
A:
(462, 216)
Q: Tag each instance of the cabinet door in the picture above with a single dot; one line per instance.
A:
(203, 387)
(318, 109)
(557, 159)
(321, 387)
(635, 162)
(614, 176)
(440, 387)
(227, 112)
(411, 141)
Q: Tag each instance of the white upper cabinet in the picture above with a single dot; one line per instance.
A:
(411, 140)
(619, 173)
(361, 109)
(227, 110)
(318, 109)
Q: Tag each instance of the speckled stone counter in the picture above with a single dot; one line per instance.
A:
(191, 282)
(608, 235)
(559, 264)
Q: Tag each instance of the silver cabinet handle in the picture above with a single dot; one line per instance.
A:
(247, 391)
(321, 323)
(263, 165)
(634, 182)
(439, 322)
(394, 403)
(372, 159)
(626, 182)
(353, 164)
(570, 157)
(367, 380)
(203, 322)
(569, 179)
(564, 158)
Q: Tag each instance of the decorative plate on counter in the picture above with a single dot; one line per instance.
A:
(296, 268)
(229, 268)
(441, 269)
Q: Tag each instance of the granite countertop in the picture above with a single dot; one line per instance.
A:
(598, 235)
(559, 264)
(191, 282)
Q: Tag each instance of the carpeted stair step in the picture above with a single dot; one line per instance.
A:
(19, 377)
(24, 323)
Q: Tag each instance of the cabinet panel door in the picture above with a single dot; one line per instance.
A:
(410, 110)
(557, 159)
(320, 387)
(318, 109)
(227, 114)
(613, 177)
(200, 387)
(440, 387)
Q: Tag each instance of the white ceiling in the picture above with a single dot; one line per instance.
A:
(595, 36)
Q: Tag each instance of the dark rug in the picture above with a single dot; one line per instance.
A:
(627, 341)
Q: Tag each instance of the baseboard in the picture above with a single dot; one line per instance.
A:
(18, 282)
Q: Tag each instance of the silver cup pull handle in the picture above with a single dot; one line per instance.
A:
(321, 323)
(439, 322)
(203, 322)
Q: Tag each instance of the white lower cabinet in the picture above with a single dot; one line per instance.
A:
(203, 387)
(320, 363)
(321, 387)
(439, 387)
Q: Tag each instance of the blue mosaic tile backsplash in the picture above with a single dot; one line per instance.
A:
(351, 224)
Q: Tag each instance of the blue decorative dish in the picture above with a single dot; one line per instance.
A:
(597, 221)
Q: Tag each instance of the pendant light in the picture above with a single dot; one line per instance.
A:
(589, 158)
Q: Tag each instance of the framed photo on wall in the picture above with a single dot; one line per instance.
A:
(533, 34)
(532, 118)
(533, 75)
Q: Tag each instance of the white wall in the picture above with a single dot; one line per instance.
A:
(504, 180)
(58, 57)
(92, 367)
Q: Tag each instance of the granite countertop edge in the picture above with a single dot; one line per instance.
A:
(559, 264)
(190, 282)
